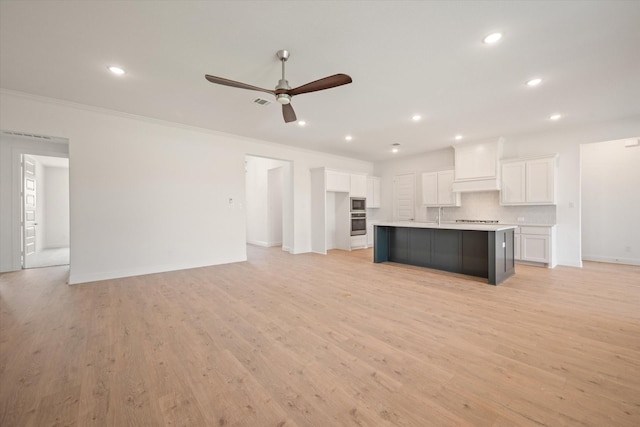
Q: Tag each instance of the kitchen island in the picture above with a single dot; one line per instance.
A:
(481, 250)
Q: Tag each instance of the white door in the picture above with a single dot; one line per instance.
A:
(28, 211)
(404, 194)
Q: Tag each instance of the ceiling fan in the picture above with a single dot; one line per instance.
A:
(283, 91)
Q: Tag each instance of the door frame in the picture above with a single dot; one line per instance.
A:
(288, 202)
(39, 148)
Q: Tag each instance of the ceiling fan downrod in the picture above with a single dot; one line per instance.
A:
(283, 84)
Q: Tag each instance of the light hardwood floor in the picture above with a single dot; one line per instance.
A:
(312, 340)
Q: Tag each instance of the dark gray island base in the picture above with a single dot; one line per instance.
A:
(482, 253)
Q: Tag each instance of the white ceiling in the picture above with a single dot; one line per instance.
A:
(404, 58)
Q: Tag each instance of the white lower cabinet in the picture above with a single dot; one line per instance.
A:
(534, 248)
(535, 244)
(370, 230)
(358, 242)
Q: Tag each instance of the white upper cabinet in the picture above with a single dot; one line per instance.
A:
(541, 181)
(529, 181)
(373, 192)
(476, 166)
(358, 187)
(430, 188)
(338, 181)
(437, 189)
(513, 179)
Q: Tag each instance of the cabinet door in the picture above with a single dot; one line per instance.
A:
(446, 251)
(513, 183)
(535, 248)
(358, 187)
(446, 196)
(399, 244)
(420, 247)
(369, 235)
(430, 189)
(338, 181)
(476, 161)
(540, 179)
(373, 192)
(516, 246)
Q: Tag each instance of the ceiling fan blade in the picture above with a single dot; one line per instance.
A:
(322, 84)
(227, 82)
(288, 113)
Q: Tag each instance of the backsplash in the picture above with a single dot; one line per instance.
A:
(486, 205)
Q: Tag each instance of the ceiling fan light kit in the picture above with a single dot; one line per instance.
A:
(283, 92)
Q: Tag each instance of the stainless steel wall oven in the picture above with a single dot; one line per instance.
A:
(358, 223)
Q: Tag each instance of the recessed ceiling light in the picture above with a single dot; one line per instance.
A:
(395, 146)
(458, 137)
(534, 82)
(416, 117)
(116, 70)
(394, 150)
(555, 117)
(348, 138)
(302, 123)
(492, 38)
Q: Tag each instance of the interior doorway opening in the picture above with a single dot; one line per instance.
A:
(45, 211)
(269, 202)
(14, 147)
(610, 207)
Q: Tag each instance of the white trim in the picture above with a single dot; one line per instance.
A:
(75, 279)
(162, 122)
(612, 260)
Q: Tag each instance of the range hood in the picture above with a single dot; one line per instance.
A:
(477, 166)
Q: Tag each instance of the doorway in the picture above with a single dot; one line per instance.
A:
(45, 211)
(269, 202)
(13, 146)
(610, 203)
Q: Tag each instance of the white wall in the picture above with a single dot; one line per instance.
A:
(275, 201)
(566, 143)
(611, 202)
(56, 199)
(149, 196)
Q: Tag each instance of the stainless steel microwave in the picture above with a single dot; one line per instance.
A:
(358, 204)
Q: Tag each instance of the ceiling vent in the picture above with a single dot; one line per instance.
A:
(261, 101)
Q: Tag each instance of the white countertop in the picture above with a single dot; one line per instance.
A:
(447, 226)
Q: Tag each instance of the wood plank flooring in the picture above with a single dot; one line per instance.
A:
(312, 340)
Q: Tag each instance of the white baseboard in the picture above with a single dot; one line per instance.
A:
(263, 243)
(612, 260)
